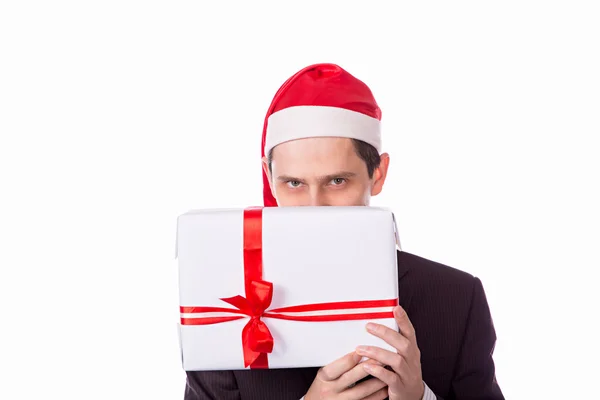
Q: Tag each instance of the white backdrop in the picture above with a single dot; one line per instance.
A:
(117, 116)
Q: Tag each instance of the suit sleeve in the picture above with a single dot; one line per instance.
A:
(475, 374)
(211, 385)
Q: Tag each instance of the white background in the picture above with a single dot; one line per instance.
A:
(117, 116)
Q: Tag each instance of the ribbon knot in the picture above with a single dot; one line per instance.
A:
(256, 337)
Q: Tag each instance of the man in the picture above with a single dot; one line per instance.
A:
(321, 147)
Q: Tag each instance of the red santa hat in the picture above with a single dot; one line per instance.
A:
(321, 100)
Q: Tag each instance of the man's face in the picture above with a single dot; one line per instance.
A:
(322, 172)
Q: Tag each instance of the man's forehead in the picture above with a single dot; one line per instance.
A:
(313, 161)
(314, 147)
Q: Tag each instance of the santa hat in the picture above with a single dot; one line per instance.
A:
(321, 100)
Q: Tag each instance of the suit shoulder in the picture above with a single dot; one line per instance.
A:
(432, 271)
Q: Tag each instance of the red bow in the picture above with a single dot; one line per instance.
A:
(256, 337)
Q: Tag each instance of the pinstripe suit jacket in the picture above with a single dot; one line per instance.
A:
(454, 329)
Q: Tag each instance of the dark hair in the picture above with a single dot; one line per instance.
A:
(365, 151)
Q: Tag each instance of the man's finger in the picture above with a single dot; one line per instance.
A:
(381, 394)
(354, 375)
(385, 357)
(364, 389)
(334, 370)
(406, 327)
(391, 337)
(390, 378)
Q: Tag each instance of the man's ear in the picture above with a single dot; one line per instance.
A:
(265, 163)
(379, 174)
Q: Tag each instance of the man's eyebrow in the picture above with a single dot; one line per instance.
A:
(341, 174)
(323, 178)
(288, 178)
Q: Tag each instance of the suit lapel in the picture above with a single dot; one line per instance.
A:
(402, 266)
(404, 290)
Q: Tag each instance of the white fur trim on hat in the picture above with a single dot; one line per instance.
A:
(300, 122)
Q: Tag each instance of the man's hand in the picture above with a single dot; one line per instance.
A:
(337, 381)
(404, 380)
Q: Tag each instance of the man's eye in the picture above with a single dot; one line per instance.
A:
(294, 183)
(338, 181)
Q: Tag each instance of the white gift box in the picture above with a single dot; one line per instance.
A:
(331, 257)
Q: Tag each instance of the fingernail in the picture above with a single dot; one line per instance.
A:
(371, 327)
(368, 367)
(362, 349)
(356, 357)
(399, 311)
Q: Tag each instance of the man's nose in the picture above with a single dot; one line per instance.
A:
(318, 198)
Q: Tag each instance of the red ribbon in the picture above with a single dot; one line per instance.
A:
(257, 340)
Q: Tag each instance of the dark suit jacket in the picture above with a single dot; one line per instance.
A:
(454, 329)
